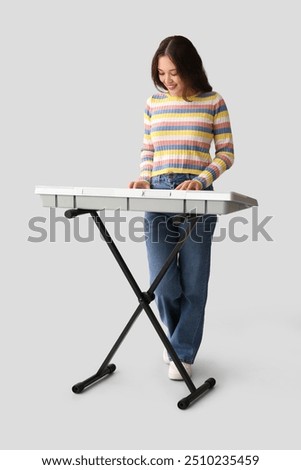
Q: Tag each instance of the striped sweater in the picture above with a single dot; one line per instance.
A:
(178, 135)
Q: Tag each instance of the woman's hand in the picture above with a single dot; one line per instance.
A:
(139, 184)
(190, 185)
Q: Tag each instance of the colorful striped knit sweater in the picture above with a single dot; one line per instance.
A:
(178, 136)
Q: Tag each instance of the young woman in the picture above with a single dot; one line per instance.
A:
(181, 122)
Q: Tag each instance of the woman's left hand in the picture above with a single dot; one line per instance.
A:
(190, 185)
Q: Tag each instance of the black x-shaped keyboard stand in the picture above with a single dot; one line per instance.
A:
(144, 299)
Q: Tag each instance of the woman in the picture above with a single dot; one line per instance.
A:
(181, 122)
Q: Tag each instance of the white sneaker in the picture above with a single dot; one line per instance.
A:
(165, 356)
(173, 372)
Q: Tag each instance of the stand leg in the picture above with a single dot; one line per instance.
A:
(107, 368)
(144, 298)
(120, 339)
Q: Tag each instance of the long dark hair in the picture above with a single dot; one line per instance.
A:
(188, 63)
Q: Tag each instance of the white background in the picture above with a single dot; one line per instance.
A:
(75, 76)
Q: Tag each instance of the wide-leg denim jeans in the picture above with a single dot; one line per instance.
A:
(181, 296)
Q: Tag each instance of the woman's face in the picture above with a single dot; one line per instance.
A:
(169, 77)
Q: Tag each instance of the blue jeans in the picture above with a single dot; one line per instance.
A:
(181, 295)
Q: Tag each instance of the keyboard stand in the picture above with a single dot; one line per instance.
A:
(144, 299)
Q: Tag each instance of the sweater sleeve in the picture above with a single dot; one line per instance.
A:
(147, 151)
(224, 151)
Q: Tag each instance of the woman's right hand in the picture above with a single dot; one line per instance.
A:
(139, 184)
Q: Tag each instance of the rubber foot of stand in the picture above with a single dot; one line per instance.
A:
(183, 404)
(78, 388)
